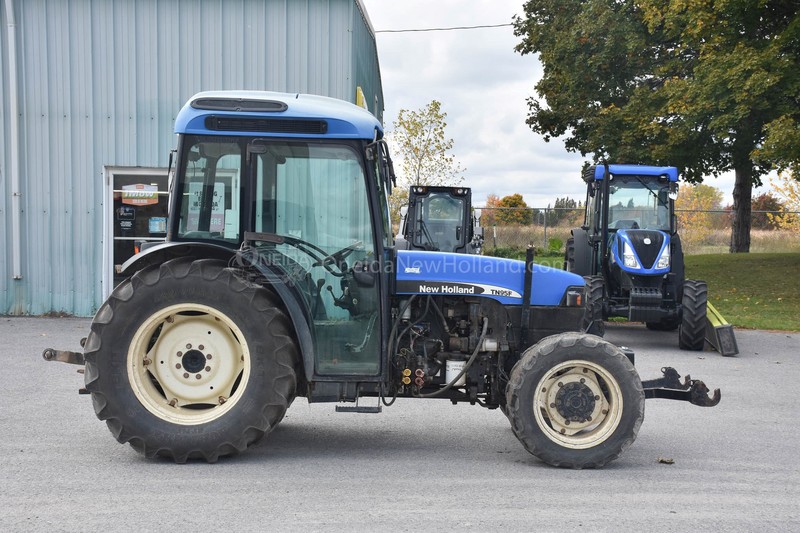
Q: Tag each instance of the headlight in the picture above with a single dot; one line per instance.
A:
(628, 257)
(663, 261)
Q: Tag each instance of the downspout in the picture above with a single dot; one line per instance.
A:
(13, 156)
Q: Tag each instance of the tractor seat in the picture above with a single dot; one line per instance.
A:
(625, 223)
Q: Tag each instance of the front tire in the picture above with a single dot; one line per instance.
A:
(575, 401)
(593, 315)
(692, 331)
(187, 360)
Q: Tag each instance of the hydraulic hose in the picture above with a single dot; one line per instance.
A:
(463, 370)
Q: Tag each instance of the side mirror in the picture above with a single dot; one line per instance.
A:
(673, 191)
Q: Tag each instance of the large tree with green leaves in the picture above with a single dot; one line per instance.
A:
(422, 148)
(706, 85)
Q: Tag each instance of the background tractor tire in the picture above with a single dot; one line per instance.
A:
(692, 331)
(569, 255)
(186, 360)
(575, 401)
(593, 300)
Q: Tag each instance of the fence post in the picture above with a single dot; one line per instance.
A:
(546, 212)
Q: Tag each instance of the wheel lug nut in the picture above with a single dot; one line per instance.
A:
(198, 376)
(597, 398)
(188, 346)
(178, 366)
(179, 354)
(186, 375)
(208, 369)
(201, 347)
(208, 357)
(583, 380)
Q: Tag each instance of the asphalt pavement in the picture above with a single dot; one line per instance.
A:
(421, 465)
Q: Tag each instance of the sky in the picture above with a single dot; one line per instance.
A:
(483, 85)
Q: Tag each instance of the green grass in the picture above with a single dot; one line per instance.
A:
(756, 290)
(759, 291)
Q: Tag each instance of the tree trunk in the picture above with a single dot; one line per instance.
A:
(742, 198)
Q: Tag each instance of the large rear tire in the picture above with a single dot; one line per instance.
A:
(692, 331)
(575, 401)
(186, 360)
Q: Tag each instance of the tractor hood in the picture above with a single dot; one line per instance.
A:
(450, 274)
(642, 252)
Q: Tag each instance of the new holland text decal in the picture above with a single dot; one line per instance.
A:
(448, 289)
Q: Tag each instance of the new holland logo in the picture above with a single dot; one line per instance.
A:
(445, 288)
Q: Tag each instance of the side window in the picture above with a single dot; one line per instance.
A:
(211, 202)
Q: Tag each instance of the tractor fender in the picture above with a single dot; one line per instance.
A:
(155, 255)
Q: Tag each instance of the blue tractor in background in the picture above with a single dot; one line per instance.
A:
(630, 253)
(279, 279)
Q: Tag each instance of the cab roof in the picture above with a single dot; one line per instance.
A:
(597, 172)
(266, 114)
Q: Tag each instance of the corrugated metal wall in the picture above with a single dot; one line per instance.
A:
(100, 83)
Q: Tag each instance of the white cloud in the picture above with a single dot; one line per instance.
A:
(483, 85)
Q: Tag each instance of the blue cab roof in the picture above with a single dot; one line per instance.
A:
(343, 119)
(636, 170)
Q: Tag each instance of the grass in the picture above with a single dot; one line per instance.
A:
(755, 290)
(758, 291)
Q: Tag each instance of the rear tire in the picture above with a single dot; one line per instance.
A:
(186, 360)
(575, 401)
(692, 331)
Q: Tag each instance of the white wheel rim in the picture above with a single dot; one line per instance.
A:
(578, 388)
(195, 370)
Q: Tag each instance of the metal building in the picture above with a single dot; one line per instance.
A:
(90, 90)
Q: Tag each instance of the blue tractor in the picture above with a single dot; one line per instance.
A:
(279, 279)
(630, 252)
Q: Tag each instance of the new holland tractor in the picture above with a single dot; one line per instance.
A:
(278, 279)
(630, 252)
(439, 218)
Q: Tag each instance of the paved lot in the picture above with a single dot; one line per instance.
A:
(421, 465)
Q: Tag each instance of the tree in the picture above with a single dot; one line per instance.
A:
(705, 86)
(566, 209)
(489, 212)
(515, 210)
(420, 145)
(763, 205)
(788, 190)
(692, 206)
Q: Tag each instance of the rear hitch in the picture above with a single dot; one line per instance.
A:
(670, 387)
(64, 356)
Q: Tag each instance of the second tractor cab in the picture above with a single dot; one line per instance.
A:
(630, 252)
(440, 219)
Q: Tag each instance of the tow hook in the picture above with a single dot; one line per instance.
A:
(670, 387)
(64, 356)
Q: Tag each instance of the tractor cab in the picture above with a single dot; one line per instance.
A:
(440, 219)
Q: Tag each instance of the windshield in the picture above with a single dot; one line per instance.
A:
(636, 204)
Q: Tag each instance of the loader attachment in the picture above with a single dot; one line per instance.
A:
(670, 387)
(719, 333)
